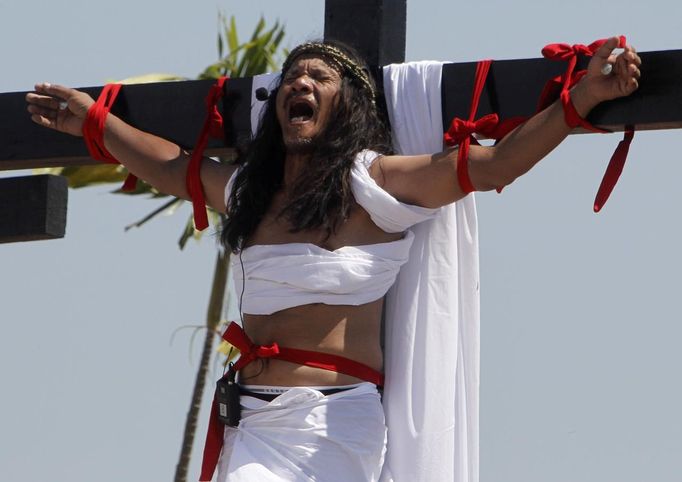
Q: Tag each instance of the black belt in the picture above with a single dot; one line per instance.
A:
(269, 397)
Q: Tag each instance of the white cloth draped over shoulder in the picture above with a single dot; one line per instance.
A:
(432, 312)
(274, 277)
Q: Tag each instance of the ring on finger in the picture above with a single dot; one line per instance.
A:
(606, 69)
(63, 105)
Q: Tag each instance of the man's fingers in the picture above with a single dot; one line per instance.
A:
(43, 100)
(631, 85)
(627, 84)
(605, 50)
(42, 111)
(631, 56)
(43, 121)
(54, 90)
(628, 64)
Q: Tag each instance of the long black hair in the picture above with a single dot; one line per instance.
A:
(321, 196)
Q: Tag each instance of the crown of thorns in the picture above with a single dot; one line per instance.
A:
(337, 59)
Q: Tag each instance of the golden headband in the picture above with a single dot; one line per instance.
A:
(337, 59)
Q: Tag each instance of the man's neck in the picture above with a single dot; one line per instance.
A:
(294, 164)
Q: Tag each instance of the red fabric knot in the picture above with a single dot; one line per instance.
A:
(249, 351)
(93, 130)
(569, 77)
(215, 118)
(573, 119)
(238, 338)
(562, 51)
(213, 126)
(570, 52)
(461, 130)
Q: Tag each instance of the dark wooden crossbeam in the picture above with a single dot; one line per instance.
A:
(514, 86)
(175, 110)
(41, 214)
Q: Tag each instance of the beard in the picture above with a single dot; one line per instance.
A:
(300, 145)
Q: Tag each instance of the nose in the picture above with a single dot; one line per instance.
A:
(302, 83)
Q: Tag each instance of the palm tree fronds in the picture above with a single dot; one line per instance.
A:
(166, 207)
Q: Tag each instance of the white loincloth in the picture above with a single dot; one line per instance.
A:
(303, 435)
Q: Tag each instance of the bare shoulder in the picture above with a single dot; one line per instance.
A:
(427, 180)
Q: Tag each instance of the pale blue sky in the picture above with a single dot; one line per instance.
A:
(580, 322)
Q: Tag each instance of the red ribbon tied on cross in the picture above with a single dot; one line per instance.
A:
(249, 351)
(93, 131)
(213, 126)
(570, 77)
(461, 131)
(215, 118)
(560, 51)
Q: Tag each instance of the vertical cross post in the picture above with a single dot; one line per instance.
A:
(375, 28)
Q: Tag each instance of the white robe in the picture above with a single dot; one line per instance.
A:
(432, 312)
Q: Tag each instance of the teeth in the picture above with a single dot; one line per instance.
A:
(300, 111)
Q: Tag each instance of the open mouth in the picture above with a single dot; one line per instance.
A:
(300, 111)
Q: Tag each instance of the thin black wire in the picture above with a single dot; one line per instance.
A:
(241, 316)
(241, 295)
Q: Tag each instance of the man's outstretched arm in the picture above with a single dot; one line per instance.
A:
(161, 163)
(431, 180)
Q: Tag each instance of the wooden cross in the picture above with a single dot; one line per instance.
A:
(34, 207)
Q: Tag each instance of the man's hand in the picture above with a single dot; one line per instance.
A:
(596, 87)
(59, 107)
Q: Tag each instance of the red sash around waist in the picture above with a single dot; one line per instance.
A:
(249, 352)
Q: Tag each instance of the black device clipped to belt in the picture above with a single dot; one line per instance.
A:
(227, 390)
(227, 396)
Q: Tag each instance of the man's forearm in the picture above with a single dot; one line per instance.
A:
(151, 158)
(525, 146)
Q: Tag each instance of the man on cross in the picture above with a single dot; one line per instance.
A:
(319, 211)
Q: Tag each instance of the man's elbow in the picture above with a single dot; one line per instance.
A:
(493, 176)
